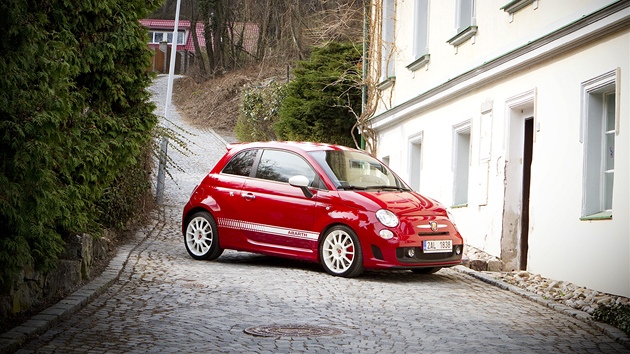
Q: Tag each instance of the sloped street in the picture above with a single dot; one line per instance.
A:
(164, 301)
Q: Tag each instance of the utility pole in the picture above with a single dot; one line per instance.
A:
(159, 190)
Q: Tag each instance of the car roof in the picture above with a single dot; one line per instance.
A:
(288, 145)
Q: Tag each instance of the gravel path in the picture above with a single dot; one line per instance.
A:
(187, 168)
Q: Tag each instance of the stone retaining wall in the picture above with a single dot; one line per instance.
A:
(81, 257)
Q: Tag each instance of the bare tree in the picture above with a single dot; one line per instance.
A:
(214, 16)
(286, 28)
(194, 19)
(336, 21)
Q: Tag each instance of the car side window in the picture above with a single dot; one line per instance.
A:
(241, 164)
(279, 166)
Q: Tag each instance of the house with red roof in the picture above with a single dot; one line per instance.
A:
(161, 33)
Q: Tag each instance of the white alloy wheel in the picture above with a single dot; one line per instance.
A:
(340, 252)
(201, 237)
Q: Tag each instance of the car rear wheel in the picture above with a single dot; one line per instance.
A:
(340, 252)
(426, 270)
(202, 238)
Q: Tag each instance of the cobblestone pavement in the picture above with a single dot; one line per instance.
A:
(164, 301)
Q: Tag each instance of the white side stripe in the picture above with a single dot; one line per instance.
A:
(267, 229)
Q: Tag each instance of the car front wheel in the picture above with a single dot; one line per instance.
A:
(340, 252)
(202, 238)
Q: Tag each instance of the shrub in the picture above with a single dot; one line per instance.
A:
(259, 112)
(323, 97)
(75, 116)
(617, 315)
(129, 195)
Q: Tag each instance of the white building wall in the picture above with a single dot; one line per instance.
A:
(557, 184)
(595, 254)
(496, 36)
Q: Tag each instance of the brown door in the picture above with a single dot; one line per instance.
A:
(527, 169)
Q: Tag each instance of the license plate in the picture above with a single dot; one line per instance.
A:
(435, 246)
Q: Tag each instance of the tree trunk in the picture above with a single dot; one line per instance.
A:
(264, 19)
(199, 58)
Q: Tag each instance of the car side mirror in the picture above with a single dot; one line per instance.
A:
(302, 183)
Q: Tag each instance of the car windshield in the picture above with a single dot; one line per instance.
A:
(355, 170)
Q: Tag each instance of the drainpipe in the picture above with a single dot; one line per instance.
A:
(364, 67)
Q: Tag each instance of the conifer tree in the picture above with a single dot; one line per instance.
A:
(323, 96)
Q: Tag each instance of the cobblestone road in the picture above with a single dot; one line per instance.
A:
(164, 301)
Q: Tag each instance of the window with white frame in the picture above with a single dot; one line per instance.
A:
(387, 49)
(461, 163)
(161, 36)
(415, 161)
(420, 35)
(465, 14)
(598, 133)
(421, 28)
(465, 23)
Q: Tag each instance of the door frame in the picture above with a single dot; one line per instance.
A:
(518, 109)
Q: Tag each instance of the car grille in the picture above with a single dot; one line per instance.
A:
(421, 257)
(430, 233)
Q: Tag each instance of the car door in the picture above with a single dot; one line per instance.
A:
(278, 216)
(226, 191)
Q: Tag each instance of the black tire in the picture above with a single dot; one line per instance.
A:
(426, 270)
(340, 252)
(201, 237)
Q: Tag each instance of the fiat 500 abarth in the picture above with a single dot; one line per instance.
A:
(321, 203)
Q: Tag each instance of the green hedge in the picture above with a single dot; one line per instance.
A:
(323, 96)
(74, 116)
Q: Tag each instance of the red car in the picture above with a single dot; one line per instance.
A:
(321, 203)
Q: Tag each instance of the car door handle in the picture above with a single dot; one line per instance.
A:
(248, 196)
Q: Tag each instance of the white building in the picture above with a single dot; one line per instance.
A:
(516, 115)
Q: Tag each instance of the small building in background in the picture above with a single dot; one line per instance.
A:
(161, 41)
(161, 32)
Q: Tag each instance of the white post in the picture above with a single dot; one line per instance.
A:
(171, 69)
(167, 107)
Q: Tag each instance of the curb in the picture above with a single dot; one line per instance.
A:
(615, 333)
(13, 339)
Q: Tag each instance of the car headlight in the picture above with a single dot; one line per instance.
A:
(387, 218)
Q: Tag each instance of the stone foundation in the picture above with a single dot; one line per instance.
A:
(75, 266)
(478, 260)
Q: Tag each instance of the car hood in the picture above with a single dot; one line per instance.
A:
(401, 203)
